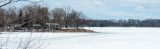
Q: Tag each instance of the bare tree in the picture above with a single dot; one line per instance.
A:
(43, 15)
(2, 15)
(58, 15)
(68, 17)
(68, 10)
(29, 16)
(29, 42)
(9, 18)
(76, 19)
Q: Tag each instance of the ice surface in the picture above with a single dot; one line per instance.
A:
(107, 38)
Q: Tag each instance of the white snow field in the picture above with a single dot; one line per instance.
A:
(106, 38)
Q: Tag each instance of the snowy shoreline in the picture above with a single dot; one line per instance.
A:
(107, 38)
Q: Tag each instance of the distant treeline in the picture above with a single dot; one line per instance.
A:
(124, 23)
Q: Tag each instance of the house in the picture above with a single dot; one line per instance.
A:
(17, 27)
(53, 26)
(36, 26)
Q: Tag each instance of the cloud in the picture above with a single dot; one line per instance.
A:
(103, 8)
(139, 8)
(124, 8)
(98, 2)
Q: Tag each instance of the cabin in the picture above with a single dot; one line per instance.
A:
(55, 26)
(18, 27)
(36, 26)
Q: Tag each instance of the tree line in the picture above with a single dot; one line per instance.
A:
(124, 23)
(37, 14)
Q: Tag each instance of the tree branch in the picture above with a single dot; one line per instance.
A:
(11, 1)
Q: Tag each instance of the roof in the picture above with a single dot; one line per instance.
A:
(36, 25)
(52, 23)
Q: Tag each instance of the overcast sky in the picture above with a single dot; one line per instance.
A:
(109, 9)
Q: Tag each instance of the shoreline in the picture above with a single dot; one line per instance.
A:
(60, 31)
(71, 31)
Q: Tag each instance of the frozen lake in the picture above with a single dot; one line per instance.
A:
(107, 38)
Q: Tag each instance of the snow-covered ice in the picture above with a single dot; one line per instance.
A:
(106, 38)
